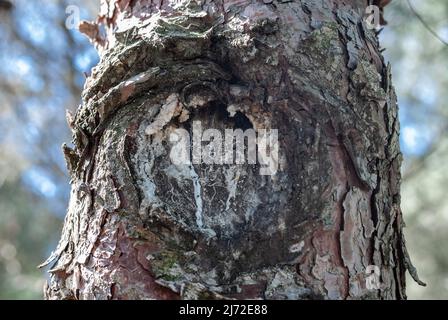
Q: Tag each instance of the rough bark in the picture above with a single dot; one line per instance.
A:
(139, 226)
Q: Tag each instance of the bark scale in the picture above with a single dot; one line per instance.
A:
(140, 227)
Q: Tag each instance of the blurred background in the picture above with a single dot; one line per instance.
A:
(42, 65)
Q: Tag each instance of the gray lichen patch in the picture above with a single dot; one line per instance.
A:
(320, 59)
(369, 81)
(285, 285)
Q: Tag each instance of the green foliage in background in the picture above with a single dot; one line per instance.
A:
(26, 229)
(420, 69)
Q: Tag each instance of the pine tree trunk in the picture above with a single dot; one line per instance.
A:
(142, 227)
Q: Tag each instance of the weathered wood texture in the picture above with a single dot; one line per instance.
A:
(311, 69)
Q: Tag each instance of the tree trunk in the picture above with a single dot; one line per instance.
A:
(141, 226)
